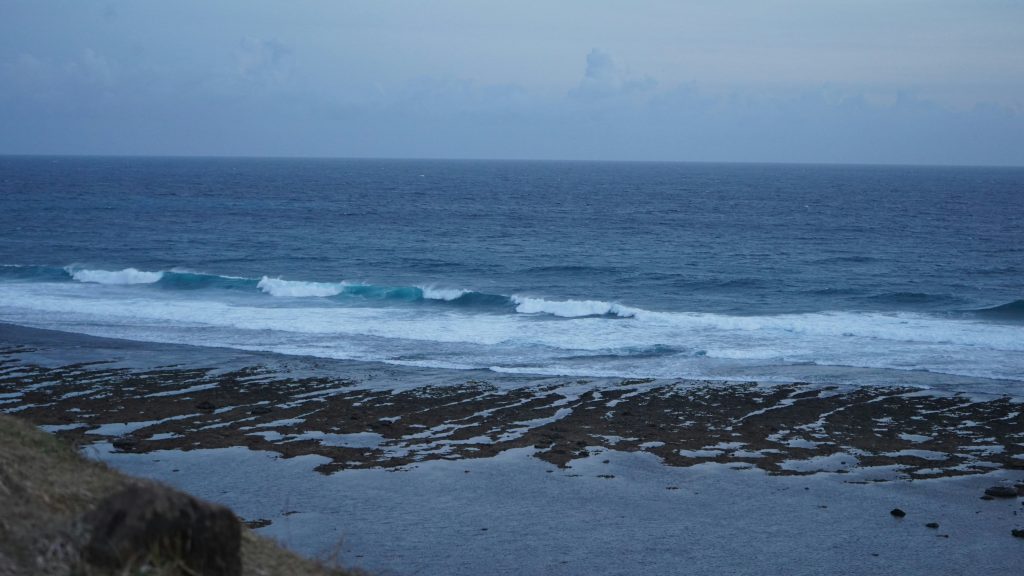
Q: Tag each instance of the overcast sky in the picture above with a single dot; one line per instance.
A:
(887, 81)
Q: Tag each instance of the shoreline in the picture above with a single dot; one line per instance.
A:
(363, 415)
(398, 469)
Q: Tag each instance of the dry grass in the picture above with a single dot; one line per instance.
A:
(46, 486)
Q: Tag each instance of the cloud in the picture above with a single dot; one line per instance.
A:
(251, 102)
(601, 68)
(266, 61)
(604, 77)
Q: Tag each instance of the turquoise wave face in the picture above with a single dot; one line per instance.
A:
(31, 273)
(176, 280)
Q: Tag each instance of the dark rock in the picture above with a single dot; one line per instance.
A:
(1017, 533)
(606, 476)
(1001, 492)
(260, 523)
(148, 523)
(932, 525)
(124, 444)
(258, 410)
(206, 406)
(897, 513)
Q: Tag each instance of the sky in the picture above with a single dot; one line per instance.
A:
(858, 81)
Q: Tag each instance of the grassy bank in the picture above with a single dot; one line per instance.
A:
(47, 490)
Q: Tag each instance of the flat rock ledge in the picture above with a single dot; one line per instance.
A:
(786, 429)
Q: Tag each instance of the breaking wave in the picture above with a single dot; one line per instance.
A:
(126, 276)
(445, 294)
(178, 279)
(399, 324)
(572, 308)
(298, 289)
(346, 292)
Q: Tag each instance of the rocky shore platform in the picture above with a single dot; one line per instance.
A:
(361, 423)
(884, 450)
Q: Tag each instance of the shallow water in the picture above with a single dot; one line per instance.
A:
(610, 513)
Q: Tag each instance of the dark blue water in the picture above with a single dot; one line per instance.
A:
(573, 268)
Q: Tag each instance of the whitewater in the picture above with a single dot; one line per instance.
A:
(466, 329)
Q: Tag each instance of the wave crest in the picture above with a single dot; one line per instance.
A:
(572, 308)
(115, 277)
(298, 288)
(446, 294)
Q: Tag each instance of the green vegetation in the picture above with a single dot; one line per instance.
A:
(47, 491)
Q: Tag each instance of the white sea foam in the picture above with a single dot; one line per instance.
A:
(126, 276)
(446, 294)
(299, 289)
(183, 270)
(571, 308)
(581, 343)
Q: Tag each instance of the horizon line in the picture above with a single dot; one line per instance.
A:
(493, 159)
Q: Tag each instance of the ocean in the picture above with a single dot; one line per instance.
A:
(857, 275)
